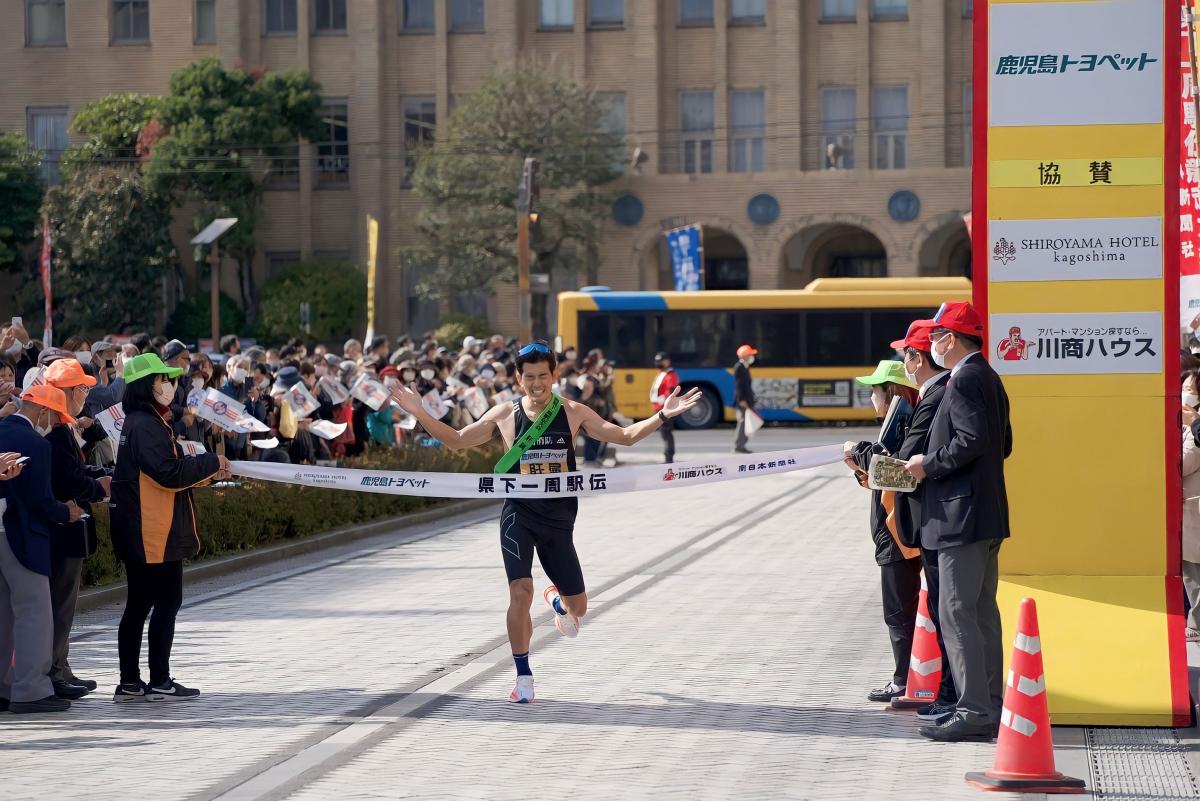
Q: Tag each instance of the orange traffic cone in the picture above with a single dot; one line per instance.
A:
(1025, 748)
(925, 664)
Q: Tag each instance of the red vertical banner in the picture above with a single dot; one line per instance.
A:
(48, 330)
(1189, 181)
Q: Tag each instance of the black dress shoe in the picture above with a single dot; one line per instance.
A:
(886, 694)
(958, 730)
(3, 704)
(69, 690)
(48, 704)
(91, 685)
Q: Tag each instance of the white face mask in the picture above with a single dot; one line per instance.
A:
(939, 357)
(43, 429)
(1191, 400)
(428, 374)
(164, 394)
(83, 356)
(749, 360)
(237, 375)
(197, 382)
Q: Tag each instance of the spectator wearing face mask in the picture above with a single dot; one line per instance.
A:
(743, 395)
(71, 479)
(302, 445)
(237, 386)
(178, 356)
(352, 351)
(26, 555)
(154, 526)
(381, 423)
(1190, 396)
(8, 386)
(16, 344)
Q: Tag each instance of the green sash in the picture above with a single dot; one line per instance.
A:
(530, 437)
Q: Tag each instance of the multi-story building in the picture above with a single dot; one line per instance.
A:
(809, 137)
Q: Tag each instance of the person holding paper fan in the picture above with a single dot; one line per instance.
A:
(153, 522)
(539, 430)
(893, 394)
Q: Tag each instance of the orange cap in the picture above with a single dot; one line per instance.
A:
(52, 398)
(746, 350)
(67, 373)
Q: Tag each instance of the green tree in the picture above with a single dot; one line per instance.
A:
(20, 196)
(222, 131)
(112, 127)
(469, 179)
(335, 291)
(111, 248)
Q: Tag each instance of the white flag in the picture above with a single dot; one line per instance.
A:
(327, 430)
(370, 392)
(222, 411)
(301, 400)
(334, 390)
(111, 420)
(434, 404)
(190, 448)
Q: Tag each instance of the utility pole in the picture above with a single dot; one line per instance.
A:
(527, 195)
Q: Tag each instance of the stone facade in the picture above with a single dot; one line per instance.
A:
(897, 210)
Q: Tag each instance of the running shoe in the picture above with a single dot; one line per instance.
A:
(130, 691)
(522, 692)
(171, 691)
(568, 624)
(937, 713)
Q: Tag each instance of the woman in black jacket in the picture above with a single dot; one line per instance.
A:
(71, 479)
(153, 525)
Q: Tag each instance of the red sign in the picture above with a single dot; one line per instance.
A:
(1189, 182)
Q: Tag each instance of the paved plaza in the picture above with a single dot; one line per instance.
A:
(734, 631)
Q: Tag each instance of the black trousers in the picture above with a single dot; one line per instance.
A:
(668, 434)
(901, 593)
(947, 693)
(65, 573)
(151, 587)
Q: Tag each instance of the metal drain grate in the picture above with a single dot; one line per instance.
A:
(1136, 764)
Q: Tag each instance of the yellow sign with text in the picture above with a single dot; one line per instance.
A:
(1076, 172)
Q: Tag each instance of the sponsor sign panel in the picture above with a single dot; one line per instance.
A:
(1075, 250)
(1076, 63)
(1077, 344)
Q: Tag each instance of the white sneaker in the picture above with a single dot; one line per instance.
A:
(568, 624)
(522, 692)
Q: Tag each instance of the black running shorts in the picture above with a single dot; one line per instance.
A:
(555, 550)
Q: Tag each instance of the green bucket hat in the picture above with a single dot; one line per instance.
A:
(889, 370)
(148, 364)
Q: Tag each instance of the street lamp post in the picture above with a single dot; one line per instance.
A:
(209, 236)
(527, 195)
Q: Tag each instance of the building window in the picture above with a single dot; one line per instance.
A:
(420, 129)
(839, 10)
(889, 127)
(613, 104)
(838, 113)
(557, 14)
(606, 13)
(279, 16)
(968, 8)
(417, 15)
(748, 12)
(46, 22)
(466, 15)
(695, 12)
(131, 21)
(748, 128)
(283, 170)
(333, 155)
(47, 131)
(696, 125)
(889, 9)
(206, 21)
(330, 16)
(279, 263)
(968, 122)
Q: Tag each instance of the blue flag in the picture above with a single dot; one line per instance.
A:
(686, 258)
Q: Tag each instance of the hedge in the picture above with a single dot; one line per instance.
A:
(234, 519)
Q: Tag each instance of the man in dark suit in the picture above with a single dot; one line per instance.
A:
(964, 517)
(931, 382)
(743, 394)
(26, 627)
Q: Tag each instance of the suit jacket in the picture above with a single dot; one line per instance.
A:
(916, 437)
(966, 500)
(31, 507)
(743, 388)
(72, 479)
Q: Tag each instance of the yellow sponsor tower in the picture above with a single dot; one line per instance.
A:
(1076, 237)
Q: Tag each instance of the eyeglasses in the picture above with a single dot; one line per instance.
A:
(533, 347)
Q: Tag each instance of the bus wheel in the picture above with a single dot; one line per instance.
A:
(705, 414)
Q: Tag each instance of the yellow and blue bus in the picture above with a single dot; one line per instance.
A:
(811, 342)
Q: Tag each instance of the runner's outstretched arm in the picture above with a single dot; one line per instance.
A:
(597, 427)
(472, 436)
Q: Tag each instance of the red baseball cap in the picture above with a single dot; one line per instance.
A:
(960, 318)
(917, 336)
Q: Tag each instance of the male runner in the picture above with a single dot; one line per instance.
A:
(545, 525)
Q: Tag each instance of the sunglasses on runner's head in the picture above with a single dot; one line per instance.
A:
(535, 347)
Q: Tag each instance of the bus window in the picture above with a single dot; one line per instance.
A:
(836, 338)
(629, 342)
(888, 325)
(776, 335)
(593, 332)
(696, 339)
